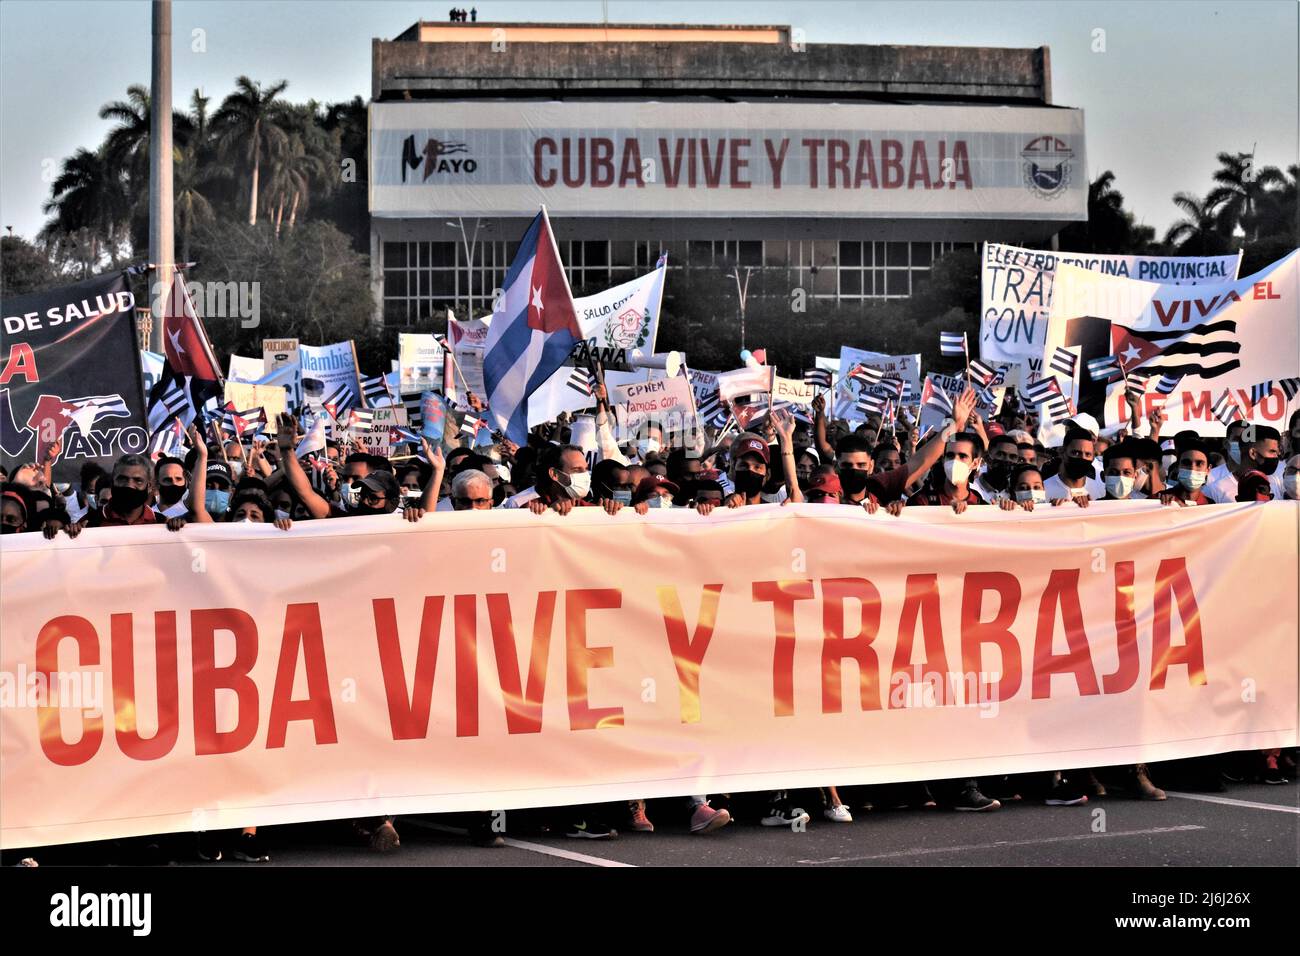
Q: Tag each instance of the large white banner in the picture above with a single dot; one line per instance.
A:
(1220, 338)
(327, 367)
(231, 675)
(1016, 291)
(727, 159)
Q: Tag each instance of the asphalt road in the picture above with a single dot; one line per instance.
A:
(1250, 825)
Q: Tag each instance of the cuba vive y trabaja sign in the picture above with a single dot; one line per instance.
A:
(503, 659)
(727, 159)
(71, 372)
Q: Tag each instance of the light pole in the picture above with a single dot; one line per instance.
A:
(160, 167)
(742, 291)
(470, 245)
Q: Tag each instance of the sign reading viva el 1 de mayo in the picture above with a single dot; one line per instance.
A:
(732, 159)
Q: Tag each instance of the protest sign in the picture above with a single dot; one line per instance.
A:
(272, 398)
(326, 369)
(1016, 290)
(278, 353)
(244, 368)
(795, 391)
(905, 367)
(666, 403)
(267, 705)
(419, 362)
(1212, 338)
(70, 371)
(953, 386)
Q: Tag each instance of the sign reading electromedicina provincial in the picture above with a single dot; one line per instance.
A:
(732, 159)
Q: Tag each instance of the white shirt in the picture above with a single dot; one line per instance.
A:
(1056, 488)
(521, 499)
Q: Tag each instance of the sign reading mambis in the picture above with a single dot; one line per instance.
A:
(746, 159)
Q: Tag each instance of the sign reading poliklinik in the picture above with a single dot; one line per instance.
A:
(71, 373)
(727, 159)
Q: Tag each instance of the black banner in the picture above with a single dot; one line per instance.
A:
(70, 371)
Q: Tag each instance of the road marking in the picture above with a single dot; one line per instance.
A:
(1001, 844)
(524, 845)
(1229, 802)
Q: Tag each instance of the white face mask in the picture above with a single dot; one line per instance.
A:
(1119, 486)
(956, 471)
(769, 499)
(579, 484)
(1140, 479)
(237, 469)
(1290, 485)
(659, 501)
(1038, 496)
(349, 494)
(1191, 480)
(647, 446)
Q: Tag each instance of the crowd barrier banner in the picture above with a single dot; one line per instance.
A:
(230, 675)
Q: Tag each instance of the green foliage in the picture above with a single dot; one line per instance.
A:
(24, 268)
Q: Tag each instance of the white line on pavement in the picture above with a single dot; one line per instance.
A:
(523, 845)
(1229, 802)
(1000, 844)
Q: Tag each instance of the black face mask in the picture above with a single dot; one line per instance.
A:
(748, 483)
(125, 500)
(363, 510)
(170, 494)
(9, 529)
(853, 481)
(1267, 465)
(1076, 468)
(997, 474)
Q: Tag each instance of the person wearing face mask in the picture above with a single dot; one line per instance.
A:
(1120, 471)
(611, 485)
(1291, 478)
(1232, 453)
(1193, 470)
(251, 506)
(806, 460)
(1024, 489)
(218, 484)
(171, 480)
(824, 488)
(1259, 450)
(14, 508)
(951, 486)
(1075, 476)
(130, 492)
(1003, 456)
(654, 493)
(563, 481)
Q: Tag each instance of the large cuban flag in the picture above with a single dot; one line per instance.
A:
(534, 328)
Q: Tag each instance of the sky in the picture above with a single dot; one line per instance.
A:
(1176, 83)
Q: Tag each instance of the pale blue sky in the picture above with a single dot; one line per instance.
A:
(1178, 82)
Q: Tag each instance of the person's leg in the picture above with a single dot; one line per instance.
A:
(706, 819)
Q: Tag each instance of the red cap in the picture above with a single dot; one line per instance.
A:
(750, 446)
(647, 486)
(827, 481)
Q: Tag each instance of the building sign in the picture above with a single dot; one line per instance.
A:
(732, 159)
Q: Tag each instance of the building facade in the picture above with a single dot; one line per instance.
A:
(844, 170)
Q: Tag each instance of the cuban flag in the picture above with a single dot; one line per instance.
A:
(534, 329)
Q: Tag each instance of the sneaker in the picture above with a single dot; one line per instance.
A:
(640, 822)
(1064, 795)
(779, 816)
(249, 849)
(1092, 786)
(582, 830)
(972, 801)
(705, 819)
(838, 814)
(1273, 774)
(207, 848)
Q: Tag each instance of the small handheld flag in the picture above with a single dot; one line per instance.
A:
(952, 343)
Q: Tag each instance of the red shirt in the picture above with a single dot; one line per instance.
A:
(886, 486)
(927, 496)
(105, 518)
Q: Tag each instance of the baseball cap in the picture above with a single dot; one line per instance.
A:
(1086, 422)
(648, 486)
(219, 469)
(750, 446)
(828, 482)
(382, 483)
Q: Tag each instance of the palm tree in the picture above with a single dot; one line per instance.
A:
(127, 145)
(1198, 233)
(1109, 227)
(305, 165)
(1240, 189)
(88, 200)
(1277, 213)
(189, 204)
(248, 123)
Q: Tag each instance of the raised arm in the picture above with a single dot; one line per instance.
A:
(199, 476)
(287, 438)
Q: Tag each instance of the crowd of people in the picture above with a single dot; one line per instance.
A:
(880, 466)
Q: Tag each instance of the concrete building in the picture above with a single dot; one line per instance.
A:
(845, 168)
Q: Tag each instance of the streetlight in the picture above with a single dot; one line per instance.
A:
(470, 245)
(741, 292)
